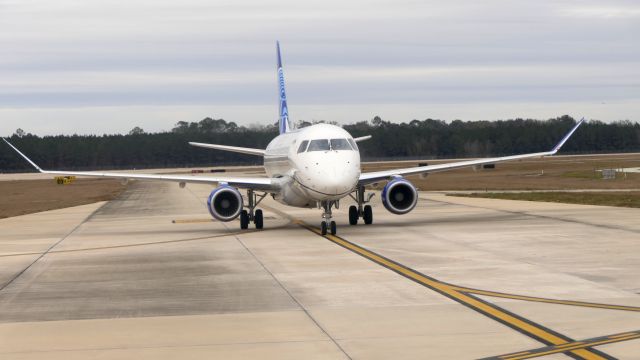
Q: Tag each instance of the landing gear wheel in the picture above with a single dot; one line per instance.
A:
(368, 215)
(353, 215)
(323, 228)
(244, 219)
(257, 219)
(333, 228)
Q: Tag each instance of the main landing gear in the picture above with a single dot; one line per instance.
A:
(253, 214)
(365, 212)
(328, 225)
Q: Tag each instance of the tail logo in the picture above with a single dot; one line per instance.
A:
(284, 111)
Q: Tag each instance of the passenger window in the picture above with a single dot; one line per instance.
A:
(353, 144)
(303, 146)
(319, 145)
(340, 144)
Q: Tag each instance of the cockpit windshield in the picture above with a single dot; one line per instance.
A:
(325, 145)
(319, 145)
(340, 144)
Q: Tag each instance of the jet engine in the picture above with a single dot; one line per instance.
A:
(399, 196)
(225, 203)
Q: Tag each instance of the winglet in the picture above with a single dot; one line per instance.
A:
(23, 155)
(566, 137)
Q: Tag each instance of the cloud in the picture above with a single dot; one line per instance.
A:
(138, 59)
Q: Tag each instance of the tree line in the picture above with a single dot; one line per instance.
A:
(423, 139)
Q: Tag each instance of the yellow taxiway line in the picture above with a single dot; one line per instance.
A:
(546, 300)
(549, 350)
(516, 322)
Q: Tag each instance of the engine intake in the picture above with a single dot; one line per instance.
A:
(225, 203)
(399, 196)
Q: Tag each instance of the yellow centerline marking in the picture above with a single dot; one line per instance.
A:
(520, 353)
(569, 346)
(622, 335)
(514, 321)
(191, 221)
(545, 300)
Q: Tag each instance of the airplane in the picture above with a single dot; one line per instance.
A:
(312, 167)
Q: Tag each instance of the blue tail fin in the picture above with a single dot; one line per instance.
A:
(283, 124)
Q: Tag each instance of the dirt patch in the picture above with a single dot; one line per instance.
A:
(26, 197)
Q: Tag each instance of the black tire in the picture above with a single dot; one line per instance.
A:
(353, 215)
(257, 219)
(244, 220)
(333, 228)
(368, 215)
(323, 228)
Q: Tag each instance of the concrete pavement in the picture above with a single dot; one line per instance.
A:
(151, 276)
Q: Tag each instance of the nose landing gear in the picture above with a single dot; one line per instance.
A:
(327, 224)
(365, 212)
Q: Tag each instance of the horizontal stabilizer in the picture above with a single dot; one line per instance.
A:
(362, 138)
(243, 150)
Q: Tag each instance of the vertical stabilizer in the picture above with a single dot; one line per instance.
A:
(283, 123)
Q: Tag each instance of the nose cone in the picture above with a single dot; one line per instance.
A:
(330, 175)
(336, 181)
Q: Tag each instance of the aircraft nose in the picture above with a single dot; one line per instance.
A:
(331, 175)
(335, 181)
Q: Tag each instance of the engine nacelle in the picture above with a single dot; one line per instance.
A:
(225, 203)
(399, 196)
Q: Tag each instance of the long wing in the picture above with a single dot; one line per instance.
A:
(241, 182)
(243, 150)
(372, 177)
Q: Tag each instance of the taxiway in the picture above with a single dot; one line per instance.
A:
(150, 275)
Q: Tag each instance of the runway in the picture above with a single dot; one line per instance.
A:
(150, 275)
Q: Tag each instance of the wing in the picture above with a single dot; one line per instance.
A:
(371, 177)
(266, 184)
(243, 150)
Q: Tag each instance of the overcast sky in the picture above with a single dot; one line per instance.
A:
(93, 67)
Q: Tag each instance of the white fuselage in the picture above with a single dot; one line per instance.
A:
(327, 168)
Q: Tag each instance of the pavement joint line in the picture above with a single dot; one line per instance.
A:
(331, 338)
(512, 320)
(167, 346)
(284, 288)
(130, 245)
(582, 344)
(524, 213)
(15, 277)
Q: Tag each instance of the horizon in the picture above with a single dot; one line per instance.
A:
(260, 127)
(101, 67)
